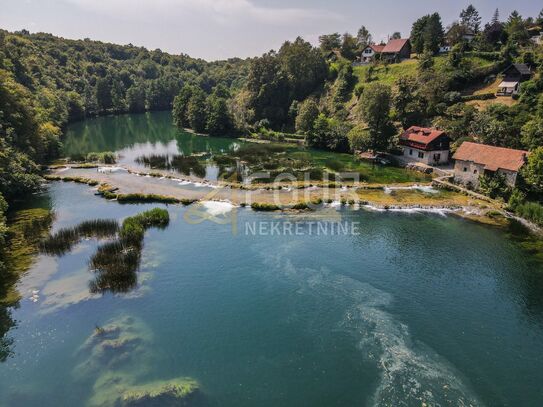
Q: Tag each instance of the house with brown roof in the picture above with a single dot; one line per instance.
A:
(425, 145)
(370, 53)
(473, 160)
(396, 50)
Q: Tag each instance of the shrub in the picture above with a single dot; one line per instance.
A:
(532, 211)
(482, 96)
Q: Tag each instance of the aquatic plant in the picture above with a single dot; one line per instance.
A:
(115, 263)
(79, 180)
(117, 361)
(184, 164)
(106, 157)
(62, 241)
(137, 197)
(265, 207)
(175, 392)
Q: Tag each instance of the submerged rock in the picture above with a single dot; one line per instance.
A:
(117, 358)
(118, 344)
(176, 392)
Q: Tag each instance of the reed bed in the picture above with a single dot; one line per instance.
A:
(63, 241)
(184, 164)
(116, 262)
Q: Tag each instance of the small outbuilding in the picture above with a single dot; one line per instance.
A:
(513, 76)
(473, 160)
(425, 145)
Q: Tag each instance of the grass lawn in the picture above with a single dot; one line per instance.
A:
(373, 174)
(389, 75)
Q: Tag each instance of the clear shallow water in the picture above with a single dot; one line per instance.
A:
(417, 307)
(136, 135)
(132, 136)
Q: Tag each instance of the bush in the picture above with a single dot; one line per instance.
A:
(482, 96)
(531, 211)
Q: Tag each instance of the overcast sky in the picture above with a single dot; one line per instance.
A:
(218, 29)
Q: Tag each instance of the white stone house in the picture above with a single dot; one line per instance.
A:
(425, 145)
(370, 52)
(473, 160)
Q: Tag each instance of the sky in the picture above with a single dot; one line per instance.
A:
(220, 29)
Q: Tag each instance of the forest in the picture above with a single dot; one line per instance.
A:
(312, 92)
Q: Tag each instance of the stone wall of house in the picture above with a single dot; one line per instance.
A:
(413, 154)
(468, 173)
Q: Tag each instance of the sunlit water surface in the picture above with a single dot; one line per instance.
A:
(416, 307)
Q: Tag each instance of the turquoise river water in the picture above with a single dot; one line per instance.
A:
(413, 308)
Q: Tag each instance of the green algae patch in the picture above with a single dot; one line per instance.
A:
(175, 392)
(118, 343)
(265, 207)
(78, 180)
(117, 358)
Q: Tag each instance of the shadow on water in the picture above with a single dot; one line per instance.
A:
(529, 280)
(26, 227)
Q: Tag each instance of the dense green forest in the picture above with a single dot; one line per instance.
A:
(47, 82)
(316, 92)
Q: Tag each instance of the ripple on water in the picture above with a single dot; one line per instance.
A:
(411, 373)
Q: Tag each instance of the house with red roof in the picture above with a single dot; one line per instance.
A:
(425, 145)
(370, 52)
(396, 50)
(473, 160)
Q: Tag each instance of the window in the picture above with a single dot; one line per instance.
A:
(475, 171)
(465, 169)
(421, 154)
(437, 157)
(410, 151)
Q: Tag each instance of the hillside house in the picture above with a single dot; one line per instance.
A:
(397, 50)
(469, 35)
(370, 52)
(513, 76)
(473, 160)
(425, 145)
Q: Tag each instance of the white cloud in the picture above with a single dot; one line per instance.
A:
(227, 12)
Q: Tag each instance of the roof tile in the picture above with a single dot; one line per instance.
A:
(491, 157)
(394, 46)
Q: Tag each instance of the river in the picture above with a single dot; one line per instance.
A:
(409, 308)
